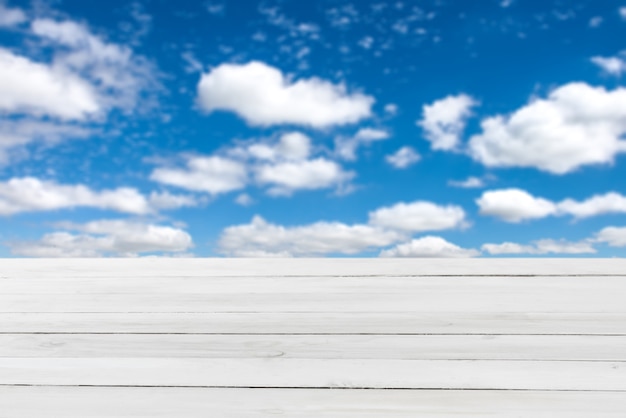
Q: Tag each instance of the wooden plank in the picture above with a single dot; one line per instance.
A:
(587, 298)
(31, 402)
(161, 267)
(408, 347)
(316, 373)
(173, 333)
(306, 285)
(317, 323)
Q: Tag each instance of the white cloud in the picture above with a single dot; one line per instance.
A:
(506, 3)
(429, 247)
(544, 246)
(261, 238)
(285, 165)
(371, 134)
(403, 158)
(291, 146)
(113, 70)
(418, 216)
(213, 175)
(622, 12)
(597, 205)
(294, 146)
(167, 200)
(611, 65)
(576, 125)
(346, 147)
(509, 248)
(33, 88)
(11, 16)
(73, 80)
(614, 236)
(293, 28)
(548, 246)
(468, 183)
(262, 95)
(281, 166)
(30, 194)
(444, 121)
(25, 130)
(286, 177)
(106, 238)
(514, 205)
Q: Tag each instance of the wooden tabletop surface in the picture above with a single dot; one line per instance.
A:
(312, 338)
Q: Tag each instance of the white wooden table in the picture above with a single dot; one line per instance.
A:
(313, 338)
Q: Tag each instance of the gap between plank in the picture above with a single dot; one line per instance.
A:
(314, 334)
(312, 388)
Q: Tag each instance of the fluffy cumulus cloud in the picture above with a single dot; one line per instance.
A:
(118, 76)
(429, 246)
(286, 177)
(69, 80)
(576, 125)
(346, 147)
(33, 88)
(213, 175)
(261, 238)
(403, 158)
(596, 205)
(30, 194)
(264, 96)
(291, 146)
(544, 246)
(612, 235)
(418, 216)
(444, 121)
(516, 205)
(282, 167)
(106, 238)
(294, 146)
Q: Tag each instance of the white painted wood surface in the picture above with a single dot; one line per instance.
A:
(313, 338)
(98, 402)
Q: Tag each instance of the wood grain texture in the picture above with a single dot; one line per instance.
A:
(458, 294)
(316, 373)
(333, 323)
(397, 347)
(29, 402)
(312, 338)
(250, 267)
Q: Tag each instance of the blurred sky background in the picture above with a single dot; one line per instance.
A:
(410, 128)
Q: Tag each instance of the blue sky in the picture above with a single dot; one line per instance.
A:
(326, 128)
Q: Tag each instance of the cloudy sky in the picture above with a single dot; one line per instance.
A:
(409, 128)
